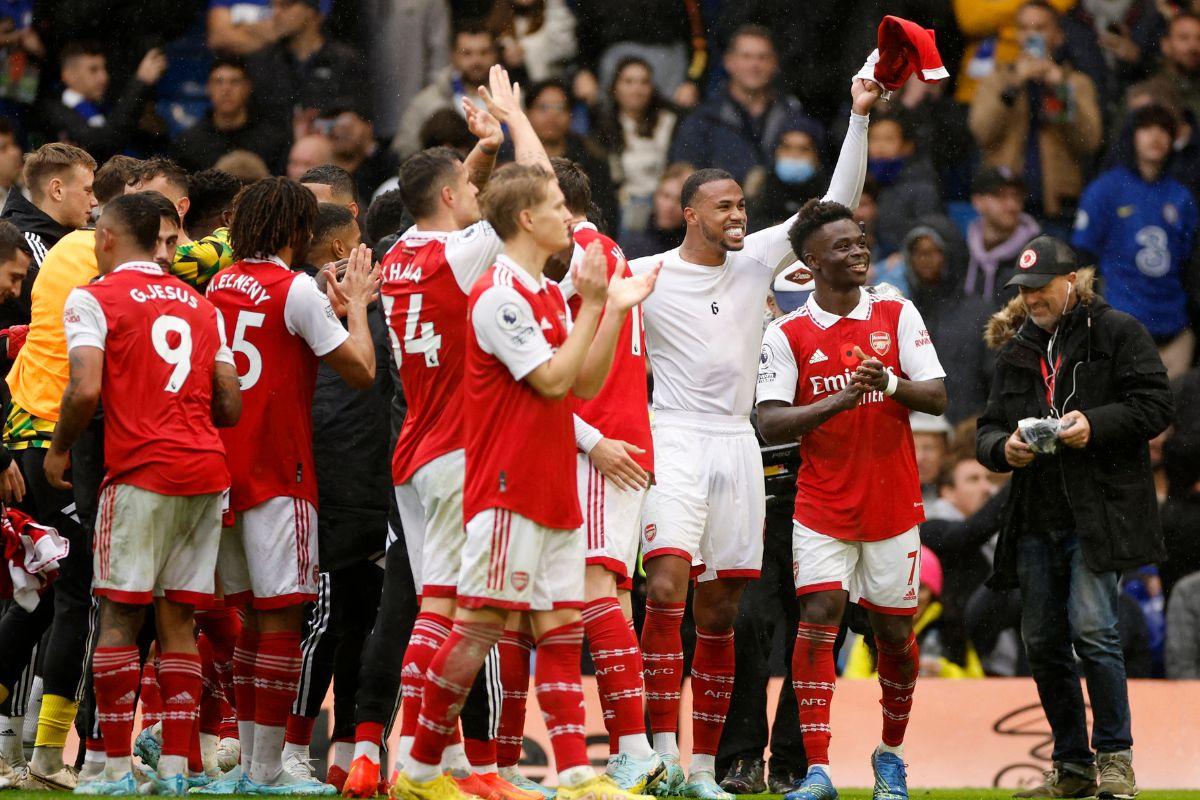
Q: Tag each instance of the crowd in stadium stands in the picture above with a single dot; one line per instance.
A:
(1080, 118)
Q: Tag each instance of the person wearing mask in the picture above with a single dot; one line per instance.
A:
(85, 114)
(1137, 225)
(666, 226)
(1082, 506)
(304, 70)
(736, 130)
(635, 127)
(907, 182)
(230, 124)
(998, 235)
(473, 51)
(935, 258)
(795, 177)
(1039, 116)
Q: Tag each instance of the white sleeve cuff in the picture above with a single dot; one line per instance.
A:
(586, 437)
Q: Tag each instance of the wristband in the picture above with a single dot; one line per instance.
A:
(893, 382)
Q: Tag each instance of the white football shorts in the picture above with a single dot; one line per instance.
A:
(513, 562)
(269, 555)
(431, 513)
(881, 576)
(612, 520)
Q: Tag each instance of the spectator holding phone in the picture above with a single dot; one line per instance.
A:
(1039, 117)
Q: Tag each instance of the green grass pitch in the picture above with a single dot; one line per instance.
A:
(845, 794)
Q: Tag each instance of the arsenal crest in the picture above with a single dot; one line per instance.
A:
(650, 532)
(520, 580)
(881, 342)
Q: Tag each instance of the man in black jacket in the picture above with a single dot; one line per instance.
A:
(1081, 514)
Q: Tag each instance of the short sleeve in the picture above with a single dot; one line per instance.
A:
(84, 321)
(777, 373)
(471, 251)
(506, 328)
(307, 314)
(918, 358)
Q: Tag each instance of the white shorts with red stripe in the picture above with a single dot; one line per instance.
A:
(880, 576)
(513, 562)
(269, 555)
(612, 519)
(431, 513)
(151, 545)
(708, 504)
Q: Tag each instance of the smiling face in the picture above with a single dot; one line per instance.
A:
(838, 255)
(718, 209)
(1047, 304)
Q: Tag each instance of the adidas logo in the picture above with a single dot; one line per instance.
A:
(183, 698)
(546, 325)
(912, 594)
(818, 357)
(127, 699)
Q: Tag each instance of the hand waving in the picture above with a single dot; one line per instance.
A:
(625, 293)
(590, 275)
(357, 284)
(483, 126)
(502, 97)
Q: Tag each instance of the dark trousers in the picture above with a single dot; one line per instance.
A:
(766, 604)
(1064, 603)
(383, 654)
(335, 631)
(65, 608)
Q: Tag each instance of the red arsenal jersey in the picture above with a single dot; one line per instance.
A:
(426, 278)
(621, 409)
(520, 445)
(277, 323)
(858, 469)
(161, 344)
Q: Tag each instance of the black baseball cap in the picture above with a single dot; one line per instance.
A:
(993, 179)
(1042, 260)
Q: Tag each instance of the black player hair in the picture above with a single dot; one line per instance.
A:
(575, 185)
(151, 168)
(12, 240)
(331, 217)
(272, 214)
(139, 214)
(698, 179)
(386, 215)
(337, 179)
(814, 215)
(211, 192)
(422, 177)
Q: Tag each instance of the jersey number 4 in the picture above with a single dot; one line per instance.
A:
(419, 337)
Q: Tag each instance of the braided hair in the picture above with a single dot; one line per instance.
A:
(272, 214)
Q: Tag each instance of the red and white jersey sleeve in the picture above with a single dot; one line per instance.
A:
(307, 314)
(83, 321)
(918, 358)
(471, 251)
(505, 327)
(777, 371)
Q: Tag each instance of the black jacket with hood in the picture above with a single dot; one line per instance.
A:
(41, 233)
(955, 321)
(1110, 371)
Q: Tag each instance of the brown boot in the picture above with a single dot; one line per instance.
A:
(1063, 780)
(1116, 780)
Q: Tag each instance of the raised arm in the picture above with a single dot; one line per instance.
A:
(354, 358)
(503, 100)
(487, 129)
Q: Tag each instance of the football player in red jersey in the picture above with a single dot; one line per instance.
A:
(858, 498)
(523, 551)
(150, 348)
(613, 466)
(427, 276)
(278, 325)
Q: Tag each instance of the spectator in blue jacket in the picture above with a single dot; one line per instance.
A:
(737, 129)
(1136, 223)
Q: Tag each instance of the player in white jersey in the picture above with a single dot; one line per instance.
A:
(704, 516)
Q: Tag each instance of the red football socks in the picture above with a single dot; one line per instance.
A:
(179, 677)
(560, 694)
(712, 688)
(115, 672)
(428, 635)
(514, 648)
(813, 677)
(447, 682)
(662, 654)
(276, 677)
(617, 657)
(898, 668)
